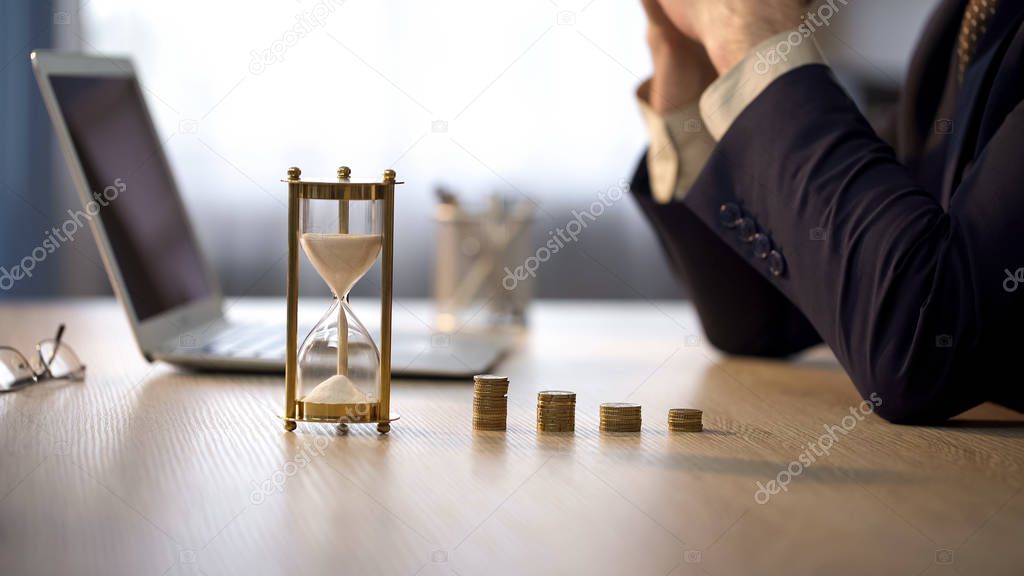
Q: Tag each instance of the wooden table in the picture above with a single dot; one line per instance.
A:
(146, 470)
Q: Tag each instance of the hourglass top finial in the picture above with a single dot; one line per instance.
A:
(389, 176)
(294, 173)
(344, 172)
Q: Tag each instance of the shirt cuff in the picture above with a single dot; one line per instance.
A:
(680, 146)
(730, 95)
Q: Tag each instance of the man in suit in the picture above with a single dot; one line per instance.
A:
(792, 222)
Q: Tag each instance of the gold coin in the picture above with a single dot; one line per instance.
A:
(490, 383)
(490, 394)
(556, 395)
(491, 399)
(490, 378)
(502, 401)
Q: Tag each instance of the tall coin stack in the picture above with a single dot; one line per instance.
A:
(490, 402)
(685, 420)
(620, 417)
(556, 411)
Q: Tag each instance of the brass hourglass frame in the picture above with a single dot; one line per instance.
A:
(342, 189)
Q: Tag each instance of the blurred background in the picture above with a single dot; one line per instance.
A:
(533, 99)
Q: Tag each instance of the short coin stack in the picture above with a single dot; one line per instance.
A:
(620, 417)
(490, 402)
(685, 420)
(556, 411)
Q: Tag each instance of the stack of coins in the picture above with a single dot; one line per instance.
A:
(685, 420)
(620, 417)
(490, 402)
(556, 411)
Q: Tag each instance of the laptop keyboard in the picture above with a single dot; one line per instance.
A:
(247, 341)
(411, 354)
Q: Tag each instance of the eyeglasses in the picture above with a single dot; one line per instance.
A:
(55, 360)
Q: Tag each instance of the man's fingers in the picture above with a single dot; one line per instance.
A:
(656, 14)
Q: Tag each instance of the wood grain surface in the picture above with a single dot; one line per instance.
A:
(143, 469)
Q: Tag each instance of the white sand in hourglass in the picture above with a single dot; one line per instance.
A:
(337, 389)
(341, 260)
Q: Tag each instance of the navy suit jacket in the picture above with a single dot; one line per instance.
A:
(806, 226)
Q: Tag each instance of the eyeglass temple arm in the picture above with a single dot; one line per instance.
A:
(56, 346)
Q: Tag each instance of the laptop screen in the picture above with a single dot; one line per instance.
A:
(134, 196)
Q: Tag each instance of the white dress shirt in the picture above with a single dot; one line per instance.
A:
(683, 139)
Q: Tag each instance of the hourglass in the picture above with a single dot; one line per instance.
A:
(338, 375)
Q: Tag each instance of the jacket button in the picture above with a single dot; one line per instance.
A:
(729, 215)
(776, 263)
(748, 229)
(762, 245)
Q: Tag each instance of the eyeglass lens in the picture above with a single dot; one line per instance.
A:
(14, 368)
(64, 363)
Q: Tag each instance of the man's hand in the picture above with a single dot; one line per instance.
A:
(682, 69)
(730, 29)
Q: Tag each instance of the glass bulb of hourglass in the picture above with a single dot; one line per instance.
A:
(341, 260)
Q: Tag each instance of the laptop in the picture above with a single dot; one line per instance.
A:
(155, 264)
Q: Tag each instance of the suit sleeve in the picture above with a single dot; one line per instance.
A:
(909, 296)
(741, 312)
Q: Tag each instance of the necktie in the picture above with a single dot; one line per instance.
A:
(976, 20)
